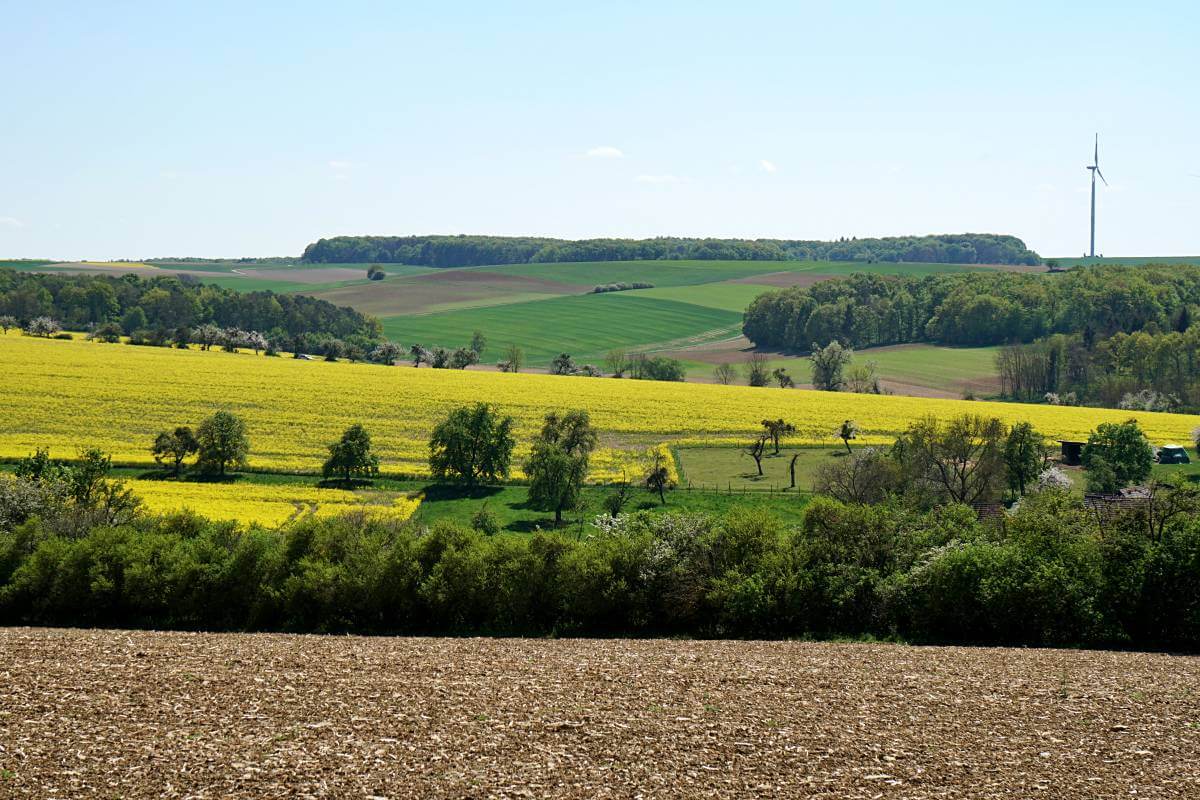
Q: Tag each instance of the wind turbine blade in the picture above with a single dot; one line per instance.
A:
(1096, 158)
(1101, 174)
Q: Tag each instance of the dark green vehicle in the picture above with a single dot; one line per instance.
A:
(1172, 454)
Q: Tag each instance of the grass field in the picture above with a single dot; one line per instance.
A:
(729, 468)
(945, 370)
(67, 394)
(140, 714)
(585, 326)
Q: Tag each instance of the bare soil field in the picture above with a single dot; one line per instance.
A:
(135, 714)
(445, 289)
(785, 279)
(304, 274)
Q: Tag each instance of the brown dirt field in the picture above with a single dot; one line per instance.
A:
(305, 275)
(784, 279)
(435, 290)
(132, 714)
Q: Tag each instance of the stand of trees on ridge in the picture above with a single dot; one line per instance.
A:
(468, 251)
(978, 308)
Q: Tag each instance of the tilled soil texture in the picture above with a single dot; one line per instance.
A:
(130, 714)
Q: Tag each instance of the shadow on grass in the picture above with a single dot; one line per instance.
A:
(443, 492)
(187, 477)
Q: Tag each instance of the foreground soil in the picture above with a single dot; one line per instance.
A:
(129, 714)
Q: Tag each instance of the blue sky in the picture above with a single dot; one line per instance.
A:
(134, 130)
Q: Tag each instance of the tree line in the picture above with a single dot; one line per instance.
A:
(1053, 572)
(1142, 371)
(165, 304)
(468, 251)
(977, 308)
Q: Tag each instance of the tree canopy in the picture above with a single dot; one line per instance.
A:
(469, 251)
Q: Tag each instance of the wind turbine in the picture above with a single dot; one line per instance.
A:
(1095, 168)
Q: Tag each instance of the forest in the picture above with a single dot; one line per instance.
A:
(975, 309)
(469, 251)
(168, 303)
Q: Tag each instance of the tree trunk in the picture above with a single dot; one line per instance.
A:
(847, 443)
(792, 470)
(557, 516)
(758, 463)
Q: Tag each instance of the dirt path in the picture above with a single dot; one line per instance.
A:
(117, 714)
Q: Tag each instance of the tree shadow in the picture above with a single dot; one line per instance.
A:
(439, 492)
(340, 483)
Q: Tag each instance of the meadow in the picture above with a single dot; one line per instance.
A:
(67, 394)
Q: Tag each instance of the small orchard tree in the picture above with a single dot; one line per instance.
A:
(756, 448)
(1119, 453)
(1024, 457)
(42, 326)
(724, 374)
(109, 332)
(478, 343)
(222, 443)
(828, 366)
(172, 447)
(563, 364)
(7, 321)
(658, 475)
(351, 457)
(387, 353)
(776, 429)
(756, 370)
(515, 357)
(473, 444)
(558, 464)
(846, 431)
(206, 335)
(439, 358)
(959, 459)
(463, 357)
(617, 362)
(419, 355)
(782, 378)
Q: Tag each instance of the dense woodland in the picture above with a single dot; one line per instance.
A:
(168, 303)
(977, 308)
(469, 251)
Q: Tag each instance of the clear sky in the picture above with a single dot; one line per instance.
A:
(134, 130)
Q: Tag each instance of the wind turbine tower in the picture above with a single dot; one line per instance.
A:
(1095, 170)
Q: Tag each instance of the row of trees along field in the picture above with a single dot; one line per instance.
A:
(977, 308)
(82, 302)
(466, 251)
(911, 561)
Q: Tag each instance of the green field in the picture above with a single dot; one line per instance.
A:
(1129, 261)
(726, 296)
(731, 469)
(586, 326)
(945, 369)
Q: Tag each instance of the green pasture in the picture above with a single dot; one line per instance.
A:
(586, 326)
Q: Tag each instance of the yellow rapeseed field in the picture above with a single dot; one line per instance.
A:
(267, 504)
(66, 394)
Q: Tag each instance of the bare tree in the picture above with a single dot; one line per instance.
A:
(724, 374)
(756, 370)
(755, 450)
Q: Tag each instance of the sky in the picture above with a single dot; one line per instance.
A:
(228, 129)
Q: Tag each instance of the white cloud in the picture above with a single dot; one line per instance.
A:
(340, 163)
(604, 151)
(11, 222)
(656, 179)
(768, 166)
